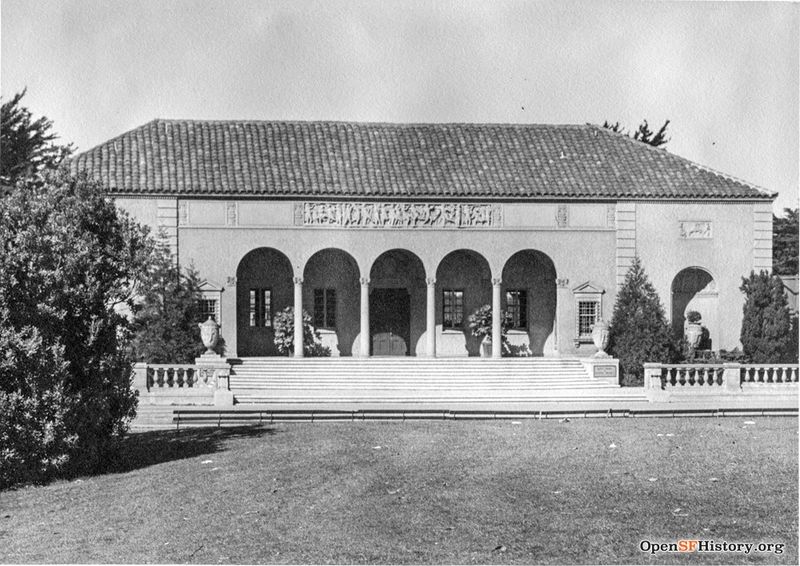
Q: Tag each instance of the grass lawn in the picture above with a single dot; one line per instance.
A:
(585, 491)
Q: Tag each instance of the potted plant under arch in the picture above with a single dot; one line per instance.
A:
(480, 326)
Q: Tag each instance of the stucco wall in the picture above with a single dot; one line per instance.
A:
(727, 254)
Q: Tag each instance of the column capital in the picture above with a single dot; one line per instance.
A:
(298, 280)
(365, 281)
(496, 281)
(430, 281)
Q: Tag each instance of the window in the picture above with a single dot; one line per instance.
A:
(517, 307)
(453, 308)
(588, 312)
(208, 308)
(261, 307)
(325, 308)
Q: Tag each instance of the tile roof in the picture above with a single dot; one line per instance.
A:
(363, 160)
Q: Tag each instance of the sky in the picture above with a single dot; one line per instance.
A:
(725, 74)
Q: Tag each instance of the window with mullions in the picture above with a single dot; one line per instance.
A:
(261, 307)
(453, 308)
(208, 308)
(325, 308)
(517, 308)
(588, 312)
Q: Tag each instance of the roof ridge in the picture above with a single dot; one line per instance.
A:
(609, 132)
(367, 123)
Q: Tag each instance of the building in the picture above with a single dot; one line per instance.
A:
(391, 235)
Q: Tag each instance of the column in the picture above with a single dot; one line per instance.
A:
(497, 316)
(564, 323)
(298, 317)
(364, 349)
(430, 318)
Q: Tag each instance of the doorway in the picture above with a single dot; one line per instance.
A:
(390, 322)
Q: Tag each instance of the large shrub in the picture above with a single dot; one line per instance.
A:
(284, 335)
(768, 333)
(639, 331)
(165, 327)
(69, 266)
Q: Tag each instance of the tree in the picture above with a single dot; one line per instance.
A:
(643, 133)
(70, 265)
(28, 144)
(166, 316)
(768, 335)
(639, 332)
(785, 243)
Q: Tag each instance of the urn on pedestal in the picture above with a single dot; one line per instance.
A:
(209, 334)
(600, 338)
(694, 330)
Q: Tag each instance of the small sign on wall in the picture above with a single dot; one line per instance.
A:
(695, 229)
(605, 371)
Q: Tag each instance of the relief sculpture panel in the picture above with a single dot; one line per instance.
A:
(398, 215)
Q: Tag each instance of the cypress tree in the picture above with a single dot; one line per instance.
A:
(639, 331)
(767, 334)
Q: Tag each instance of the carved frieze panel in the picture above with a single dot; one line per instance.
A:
(398, 215)
(695, 229)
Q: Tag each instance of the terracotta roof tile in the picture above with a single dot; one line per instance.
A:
(341, 159)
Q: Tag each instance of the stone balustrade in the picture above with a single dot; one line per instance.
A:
(665, 381)
(203, 383)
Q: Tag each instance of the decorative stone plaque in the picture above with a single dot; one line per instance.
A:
(230, 214)
(561, 216)
(398, 215)
(695, 229)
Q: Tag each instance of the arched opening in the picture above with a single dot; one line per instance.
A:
(331, 296)
(529, 295)
(694, 289)
(396, 303)
(463, 284)
(263, 288)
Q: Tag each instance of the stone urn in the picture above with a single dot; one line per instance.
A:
(209, 334)
(600, 338)
(694, 332)
(486, 347)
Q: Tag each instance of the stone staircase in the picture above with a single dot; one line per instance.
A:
(419, 381)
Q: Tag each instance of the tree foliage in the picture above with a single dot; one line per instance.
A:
(643, 133)
(165, 327)
(785, 243)
(70, 265)
(27, 144)
(639, 331)
(284, 335)
(768, 332)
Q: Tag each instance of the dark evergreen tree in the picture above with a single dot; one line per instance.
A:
(165, 328)
(785, 243)
(28, 145)
(639, 331)
(643, 133)
(767, 334)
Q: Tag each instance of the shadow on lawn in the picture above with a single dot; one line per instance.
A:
(144, 449)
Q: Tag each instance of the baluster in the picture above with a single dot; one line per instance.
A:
(190, 377)
(160, 377)
(704, 377)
